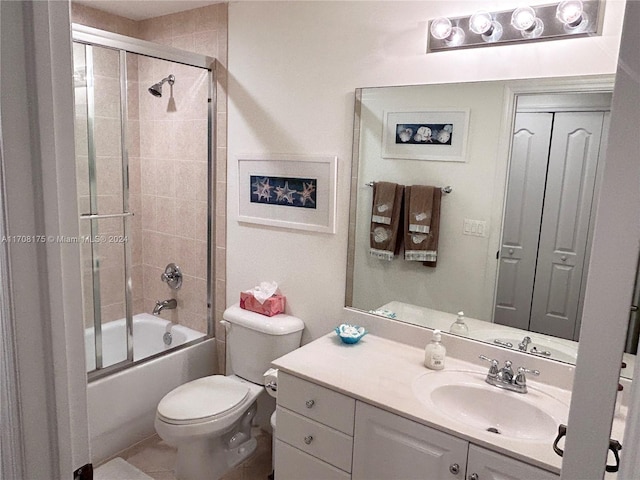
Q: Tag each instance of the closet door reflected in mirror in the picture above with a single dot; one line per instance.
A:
(549, 207)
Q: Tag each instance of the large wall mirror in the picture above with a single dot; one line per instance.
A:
(521, 159)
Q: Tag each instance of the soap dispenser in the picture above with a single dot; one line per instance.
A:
(435, 352)
(459, 327)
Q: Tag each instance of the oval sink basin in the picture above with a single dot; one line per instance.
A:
(466, 398)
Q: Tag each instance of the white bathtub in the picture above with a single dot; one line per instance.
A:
(122, 406)
(148, 331)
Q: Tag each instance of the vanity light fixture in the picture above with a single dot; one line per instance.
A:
(560, 20)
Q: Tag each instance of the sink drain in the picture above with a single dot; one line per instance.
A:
(493, 430)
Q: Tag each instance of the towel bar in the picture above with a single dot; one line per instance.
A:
(447, 189)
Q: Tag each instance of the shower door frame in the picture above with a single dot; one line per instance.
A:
(90, 37)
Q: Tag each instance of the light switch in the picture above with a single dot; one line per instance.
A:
(474, 228)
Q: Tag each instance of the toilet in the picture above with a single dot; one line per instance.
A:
(209, 419)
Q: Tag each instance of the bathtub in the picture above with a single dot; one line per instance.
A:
(148, 331)
(122, 406)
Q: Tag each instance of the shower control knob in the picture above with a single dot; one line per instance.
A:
(455, 468)
(310, 403)
(308, 439)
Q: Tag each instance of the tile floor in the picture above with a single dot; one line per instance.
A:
(155, 458)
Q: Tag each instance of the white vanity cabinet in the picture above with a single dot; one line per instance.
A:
(314, 431)
(387, 446)
(325, 435)
(483, 464)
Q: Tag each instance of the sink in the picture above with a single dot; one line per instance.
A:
(558, 350)
(464, 396)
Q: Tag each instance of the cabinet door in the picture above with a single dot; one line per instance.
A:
(387, 446)
(294, 464)
(488, 465)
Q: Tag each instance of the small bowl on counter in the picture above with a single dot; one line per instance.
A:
(350, 333)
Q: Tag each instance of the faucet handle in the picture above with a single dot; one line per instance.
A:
(526, 370)
(521, 380)
(493, 369)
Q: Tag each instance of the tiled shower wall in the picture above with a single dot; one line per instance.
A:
(202, 30)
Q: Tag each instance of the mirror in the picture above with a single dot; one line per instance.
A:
(482, 267)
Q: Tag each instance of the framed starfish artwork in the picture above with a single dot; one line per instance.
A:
(288, 191)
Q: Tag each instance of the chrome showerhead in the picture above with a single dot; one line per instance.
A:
(156, 89)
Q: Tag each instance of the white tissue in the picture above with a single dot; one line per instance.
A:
(263, 291)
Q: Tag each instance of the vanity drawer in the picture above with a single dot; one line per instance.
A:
(314, 438)
(318, 403)
(292, 463)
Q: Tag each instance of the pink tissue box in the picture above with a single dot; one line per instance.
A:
(271, 306)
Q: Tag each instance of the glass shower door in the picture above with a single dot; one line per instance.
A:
(102, 177)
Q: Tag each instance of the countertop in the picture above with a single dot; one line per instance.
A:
(381, 372)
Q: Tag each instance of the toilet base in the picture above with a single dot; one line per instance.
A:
(206, 460)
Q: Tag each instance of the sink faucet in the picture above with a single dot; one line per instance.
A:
(164, 304)
(505, 376)
(522, 346)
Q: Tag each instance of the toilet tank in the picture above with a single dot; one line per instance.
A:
(254, 341)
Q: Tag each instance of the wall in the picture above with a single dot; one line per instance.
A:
(167, 159)
(292, 73)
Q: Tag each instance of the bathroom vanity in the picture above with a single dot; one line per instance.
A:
(373, 411)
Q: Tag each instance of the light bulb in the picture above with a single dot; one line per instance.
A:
(524, 19)
(483, 24)
(570, 12)
(480, 22)
(441, 28)
(456, 38)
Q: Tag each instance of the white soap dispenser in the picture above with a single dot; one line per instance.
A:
(459, 327)
(435, 352)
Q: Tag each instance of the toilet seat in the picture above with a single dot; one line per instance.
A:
(202, 400)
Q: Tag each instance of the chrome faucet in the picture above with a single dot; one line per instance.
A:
(164, 304)
(524, 344)
(505, 376)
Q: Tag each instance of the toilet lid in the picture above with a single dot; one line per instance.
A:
(202, 398)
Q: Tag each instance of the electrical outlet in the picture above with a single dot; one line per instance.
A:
(474, 228)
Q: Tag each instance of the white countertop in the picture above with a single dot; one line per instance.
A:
(381, 372)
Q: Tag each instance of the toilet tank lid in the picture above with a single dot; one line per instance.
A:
(280, 324)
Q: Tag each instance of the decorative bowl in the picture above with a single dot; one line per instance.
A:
(350, 333)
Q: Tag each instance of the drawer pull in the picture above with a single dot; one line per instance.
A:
(473, 476)
(310, 403)
(308, 439)
(454, 468)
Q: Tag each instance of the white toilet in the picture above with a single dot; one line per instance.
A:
(209, 419)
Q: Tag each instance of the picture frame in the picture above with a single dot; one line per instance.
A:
(288, 191)
(428, 134)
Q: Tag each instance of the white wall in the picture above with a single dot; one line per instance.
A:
(293, 68)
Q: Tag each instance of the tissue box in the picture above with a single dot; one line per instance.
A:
(271, 306)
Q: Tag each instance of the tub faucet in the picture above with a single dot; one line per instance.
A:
(162, 304)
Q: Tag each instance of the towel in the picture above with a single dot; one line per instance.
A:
(422, 216)
(385, 220)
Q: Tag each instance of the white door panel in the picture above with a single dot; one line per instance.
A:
(573, 158)
(523, 212)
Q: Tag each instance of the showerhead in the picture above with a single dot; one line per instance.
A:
(156, 89)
